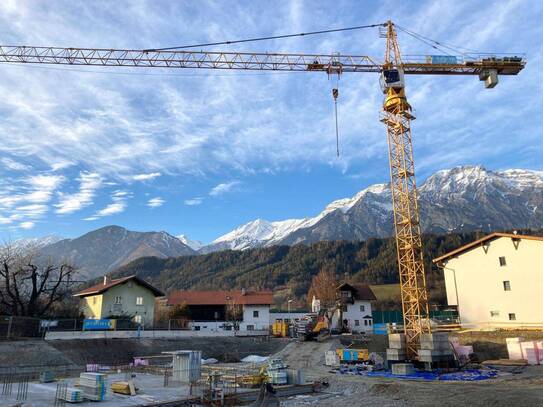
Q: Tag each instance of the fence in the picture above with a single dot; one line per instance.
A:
(395, 316)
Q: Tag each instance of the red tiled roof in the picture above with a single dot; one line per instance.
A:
(482, 240)
(101, 287)
(220, 297)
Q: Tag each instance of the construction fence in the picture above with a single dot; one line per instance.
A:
(17, 327)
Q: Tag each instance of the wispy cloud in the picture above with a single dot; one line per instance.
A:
(88, 184)
(155, 202)
(224, 188)
(26, 225)
(146, 177)
(118, 205)
(194, 201)
(27, 199)
(14, 165)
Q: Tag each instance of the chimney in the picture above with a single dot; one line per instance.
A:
(105, 280)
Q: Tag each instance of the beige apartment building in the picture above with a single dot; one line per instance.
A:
(496, 281)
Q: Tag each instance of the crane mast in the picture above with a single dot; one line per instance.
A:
(396, 115)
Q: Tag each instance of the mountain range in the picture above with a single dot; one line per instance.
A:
(98, 252)
(461, 199)
(464, 198)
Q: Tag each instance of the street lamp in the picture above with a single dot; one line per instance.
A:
(289, 302)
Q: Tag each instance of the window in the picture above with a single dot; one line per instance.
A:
(494, 314)
(512, 317)
(118, 300)
(250, 327)
(502, 261)
(365, 322)
(356, 322)
(137, 319)
(255, 314)
(369, 322)
(139, 300)
(345, 294)
(362, 308)
(506, 286)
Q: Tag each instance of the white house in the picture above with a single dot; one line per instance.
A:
(496, 281)
(225, 310)
(355, 302)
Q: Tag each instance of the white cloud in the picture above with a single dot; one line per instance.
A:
(26, 225)
(88, 184)
(112, 209)
(194, 201)
(14, 165)
(118, 205)
(223, 188)
(155, 202)
(146, 177)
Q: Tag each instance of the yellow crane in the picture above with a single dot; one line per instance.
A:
(396, 115)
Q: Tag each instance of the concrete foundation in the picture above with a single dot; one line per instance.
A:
(396, 354)
(403, 369)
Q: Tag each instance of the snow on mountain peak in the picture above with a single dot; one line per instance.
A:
(193, 244)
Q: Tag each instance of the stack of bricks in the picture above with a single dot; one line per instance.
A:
(435, 347)
(396, 347)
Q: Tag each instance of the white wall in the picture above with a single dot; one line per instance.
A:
(274, 316)
(354, 314)
(260, 322)
(474, 282)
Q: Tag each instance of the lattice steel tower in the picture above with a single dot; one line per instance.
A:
(397, 117)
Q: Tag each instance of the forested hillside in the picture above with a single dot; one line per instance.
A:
(289, 269)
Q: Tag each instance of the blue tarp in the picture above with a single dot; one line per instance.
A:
(464, 375)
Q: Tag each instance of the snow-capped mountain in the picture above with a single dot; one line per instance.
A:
(36, 243)
(462, 198)
(193, 244)
(103, 250)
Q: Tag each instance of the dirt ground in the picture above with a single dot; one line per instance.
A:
(344, 390)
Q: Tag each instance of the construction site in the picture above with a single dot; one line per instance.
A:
(312, 361)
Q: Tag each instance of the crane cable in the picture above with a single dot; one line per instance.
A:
(335, 94)
(274, 37)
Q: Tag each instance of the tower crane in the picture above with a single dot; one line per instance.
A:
(396, 115)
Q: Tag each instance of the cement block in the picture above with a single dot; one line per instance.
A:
(403, 369)
(396, 354)
(396, 345)
(435, 337)
(396, 337)
(435, 345)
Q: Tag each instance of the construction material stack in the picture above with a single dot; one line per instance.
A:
(396, 347)
(277, 372)
(72, 395)
(435, 347)
(93, 385)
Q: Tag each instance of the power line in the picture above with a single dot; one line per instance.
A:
(274, 37)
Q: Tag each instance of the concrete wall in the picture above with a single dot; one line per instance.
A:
(474, 282)
(145, 334)
(354, 314)
(258, 323)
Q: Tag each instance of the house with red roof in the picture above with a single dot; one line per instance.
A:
(126, 297)
(219, 310)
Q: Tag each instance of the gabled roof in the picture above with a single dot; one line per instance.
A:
(102, 287)
(483, 240)
(361, 292)
(237, 297)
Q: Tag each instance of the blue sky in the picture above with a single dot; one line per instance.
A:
(200, 152)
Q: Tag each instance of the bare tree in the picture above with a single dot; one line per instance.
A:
(28, 288)
(323, 287)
